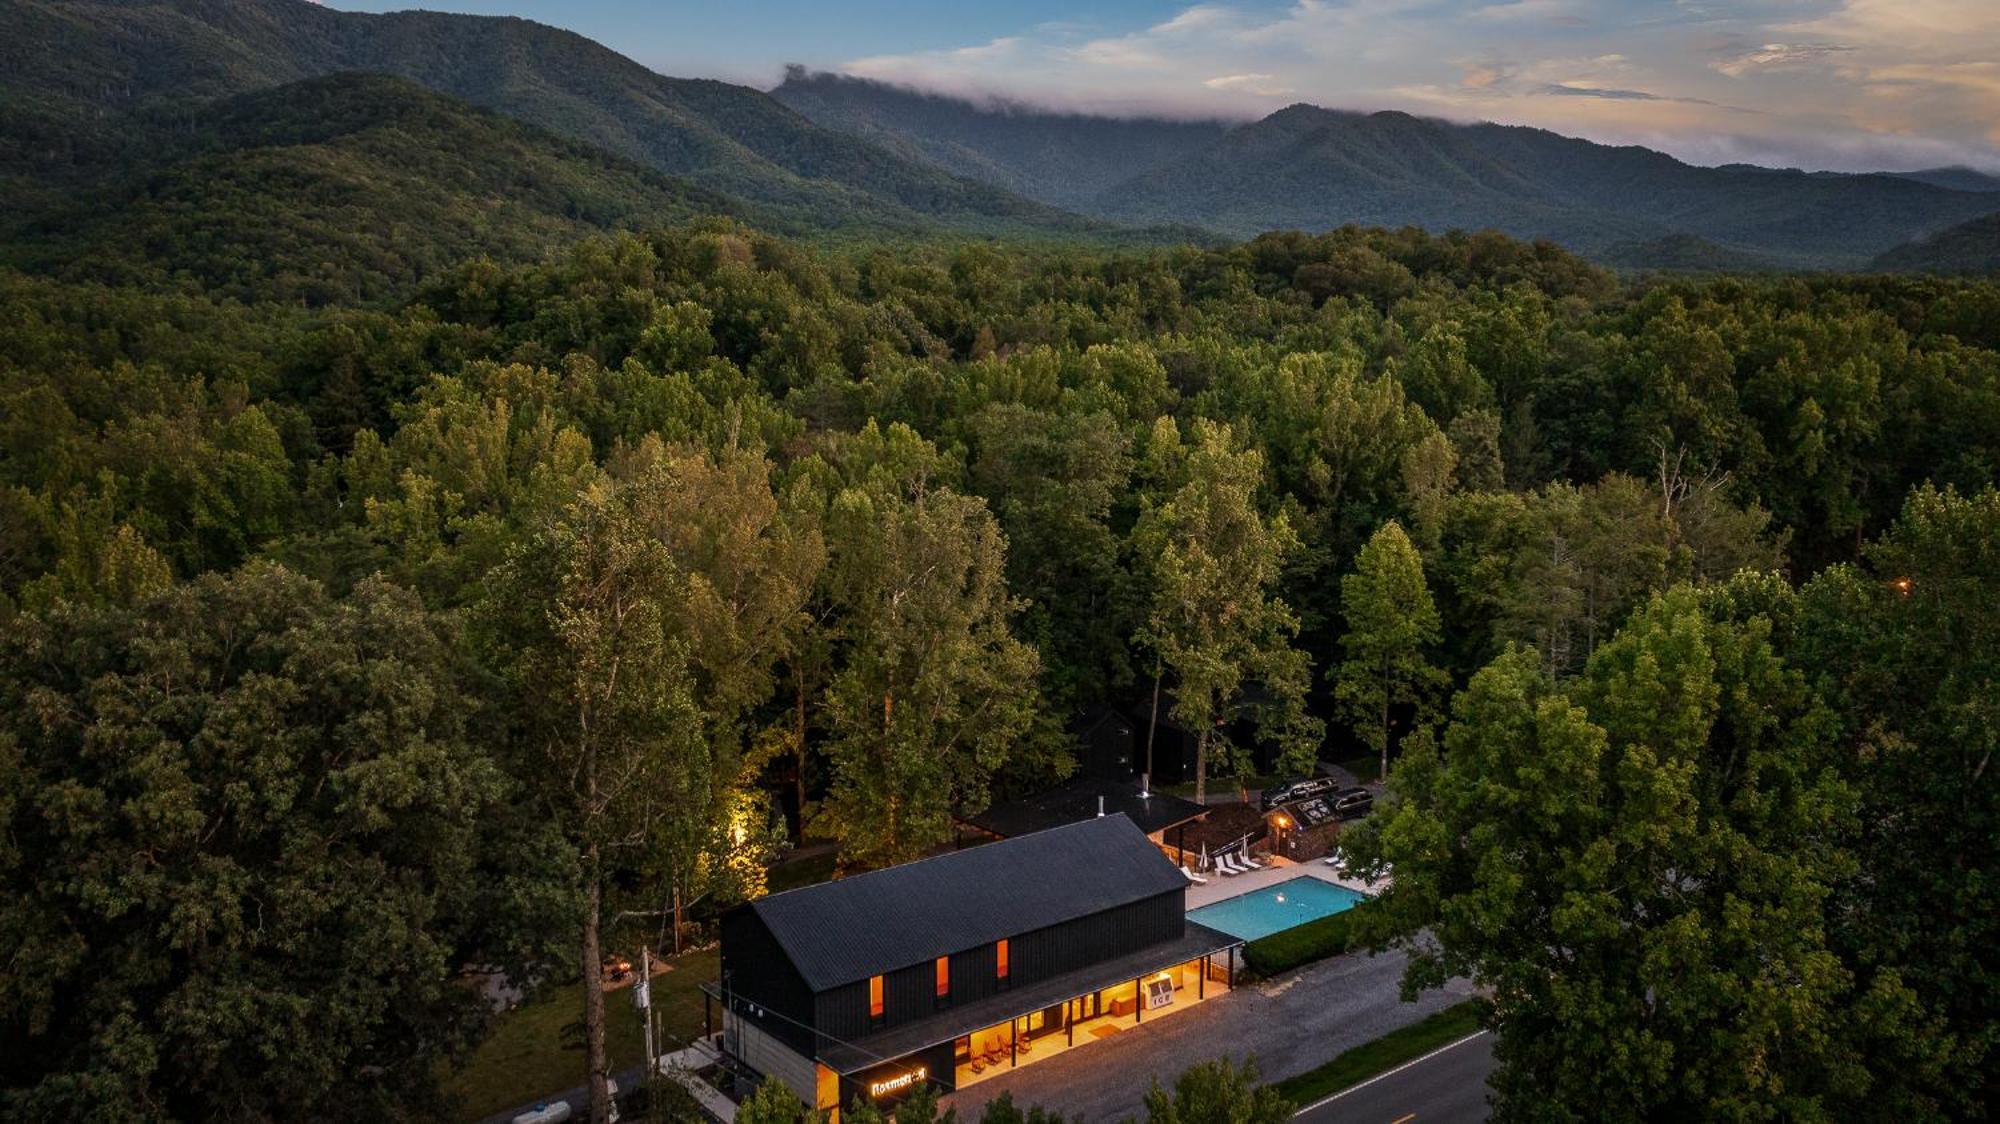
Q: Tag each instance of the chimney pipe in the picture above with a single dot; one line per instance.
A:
(1100, 806)
(1145, 786)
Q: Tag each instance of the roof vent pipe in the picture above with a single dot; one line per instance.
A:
(1100, 807)
(1145, 786)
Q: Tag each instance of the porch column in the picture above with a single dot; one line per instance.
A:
(1069, 1022)
(1201, 981)
(1138, 1001)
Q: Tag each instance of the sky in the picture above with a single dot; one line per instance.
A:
(1837, 84)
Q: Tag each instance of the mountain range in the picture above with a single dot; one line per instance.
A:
(276, 148)
(1311, 168)
(90, 83)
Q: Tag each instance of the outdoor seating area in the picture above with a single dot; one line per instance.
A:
(1088, 1018)
(1274, 871)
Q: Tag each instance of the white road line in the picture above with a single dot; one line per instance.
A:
(1324, 1101)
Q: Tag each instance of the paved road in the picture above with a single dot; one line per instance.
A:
(1290, 1024)
(1447, 1086)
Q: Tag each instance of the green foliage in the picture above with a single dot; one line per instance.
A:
(1391, 620)
(1639, 867)
(347, 189)
(1213, 560)
(1218, 1092)
(251, 838)
(990, 484)
(1969, 247)
(773, 1102)
(153, 64)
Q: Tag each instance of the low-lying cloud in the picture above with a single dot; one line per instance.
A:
(1814, 83)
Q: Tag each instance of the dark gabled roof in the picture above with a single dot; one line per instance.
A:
(869, 924)
(1078, 800)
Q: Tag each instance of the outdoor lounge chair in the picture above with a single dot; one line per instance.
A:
(1193, 877)
(1228, 866)
(1244, 860)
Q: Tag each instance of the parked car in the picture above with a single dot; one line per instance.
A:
(1353, 803)
(1297, 790)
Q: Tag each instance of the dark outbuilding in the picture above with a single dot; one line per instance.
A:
(952, 968)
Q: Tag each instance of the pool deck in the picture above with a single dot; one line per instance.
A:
(1222, 887)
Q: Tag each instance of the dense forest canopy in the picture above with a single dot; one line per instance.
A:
(565, 591)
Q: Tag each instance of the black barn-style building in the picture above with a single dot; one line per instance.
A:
(956, 967)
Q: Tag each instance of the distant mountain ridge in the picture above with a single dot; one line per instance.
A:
(1067, 160)
(1311, 168)
(85, 83)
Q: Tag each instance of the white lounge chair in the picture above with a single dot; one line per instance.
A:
(1227, 868)
(1193, 877)
(1244, 860)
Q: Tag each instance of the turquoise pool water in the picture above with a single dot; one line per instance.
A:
(1274, 909)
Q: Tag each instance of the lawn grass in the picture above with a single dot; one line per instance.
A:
(537, 1049)
(1392, 1049)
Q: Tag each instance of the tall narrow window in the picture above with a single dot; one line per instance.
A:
(943, 976)
(1000, 960)
(875, 997)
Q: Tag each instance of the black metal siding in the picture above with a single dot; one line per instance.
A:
(911, 993)
(755, 971)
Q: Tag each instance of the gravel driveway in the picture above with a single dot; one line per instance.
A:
(1290, 1024)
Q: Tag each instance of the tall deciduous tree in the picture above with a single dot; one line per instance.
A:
(933, 691)
(1908, 653)
(746, 573)
(1391, 625)
(599, 666)
(1215, 623)
(1638, 868)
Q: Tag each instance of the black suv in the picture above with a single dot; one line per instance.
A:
(1353, 803)
(1297, 790)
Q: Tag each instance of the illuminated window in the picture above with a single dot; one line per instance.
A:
(1000, 964)
(943, 976)
(875, 997)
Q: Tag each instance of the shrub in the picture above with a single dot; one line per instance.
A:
(1315, 940)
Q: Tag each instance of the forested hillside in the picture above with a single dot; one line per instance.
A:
(348, 188)
(1311, 168)
(344, 648)
(1969, 247)
(1068, 160)
(1314, 169)
(91, 84)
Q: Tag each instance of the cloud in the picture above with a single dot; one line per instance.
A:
(1560, 90)
(1824, 83)
(1774, 56)
(1263, 85)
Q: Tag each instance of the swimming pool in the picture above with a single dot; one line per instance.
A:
(1274, 909)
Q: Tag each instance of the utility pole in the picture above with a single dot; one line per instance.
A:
(642, 998)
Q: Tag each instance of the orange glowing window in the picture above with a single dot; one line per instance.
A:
(1000, 964)
(943, 976)
(875, 997)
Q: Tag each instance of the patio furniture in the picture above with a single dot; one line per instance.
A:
(1193, 877)
(1226, 868)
